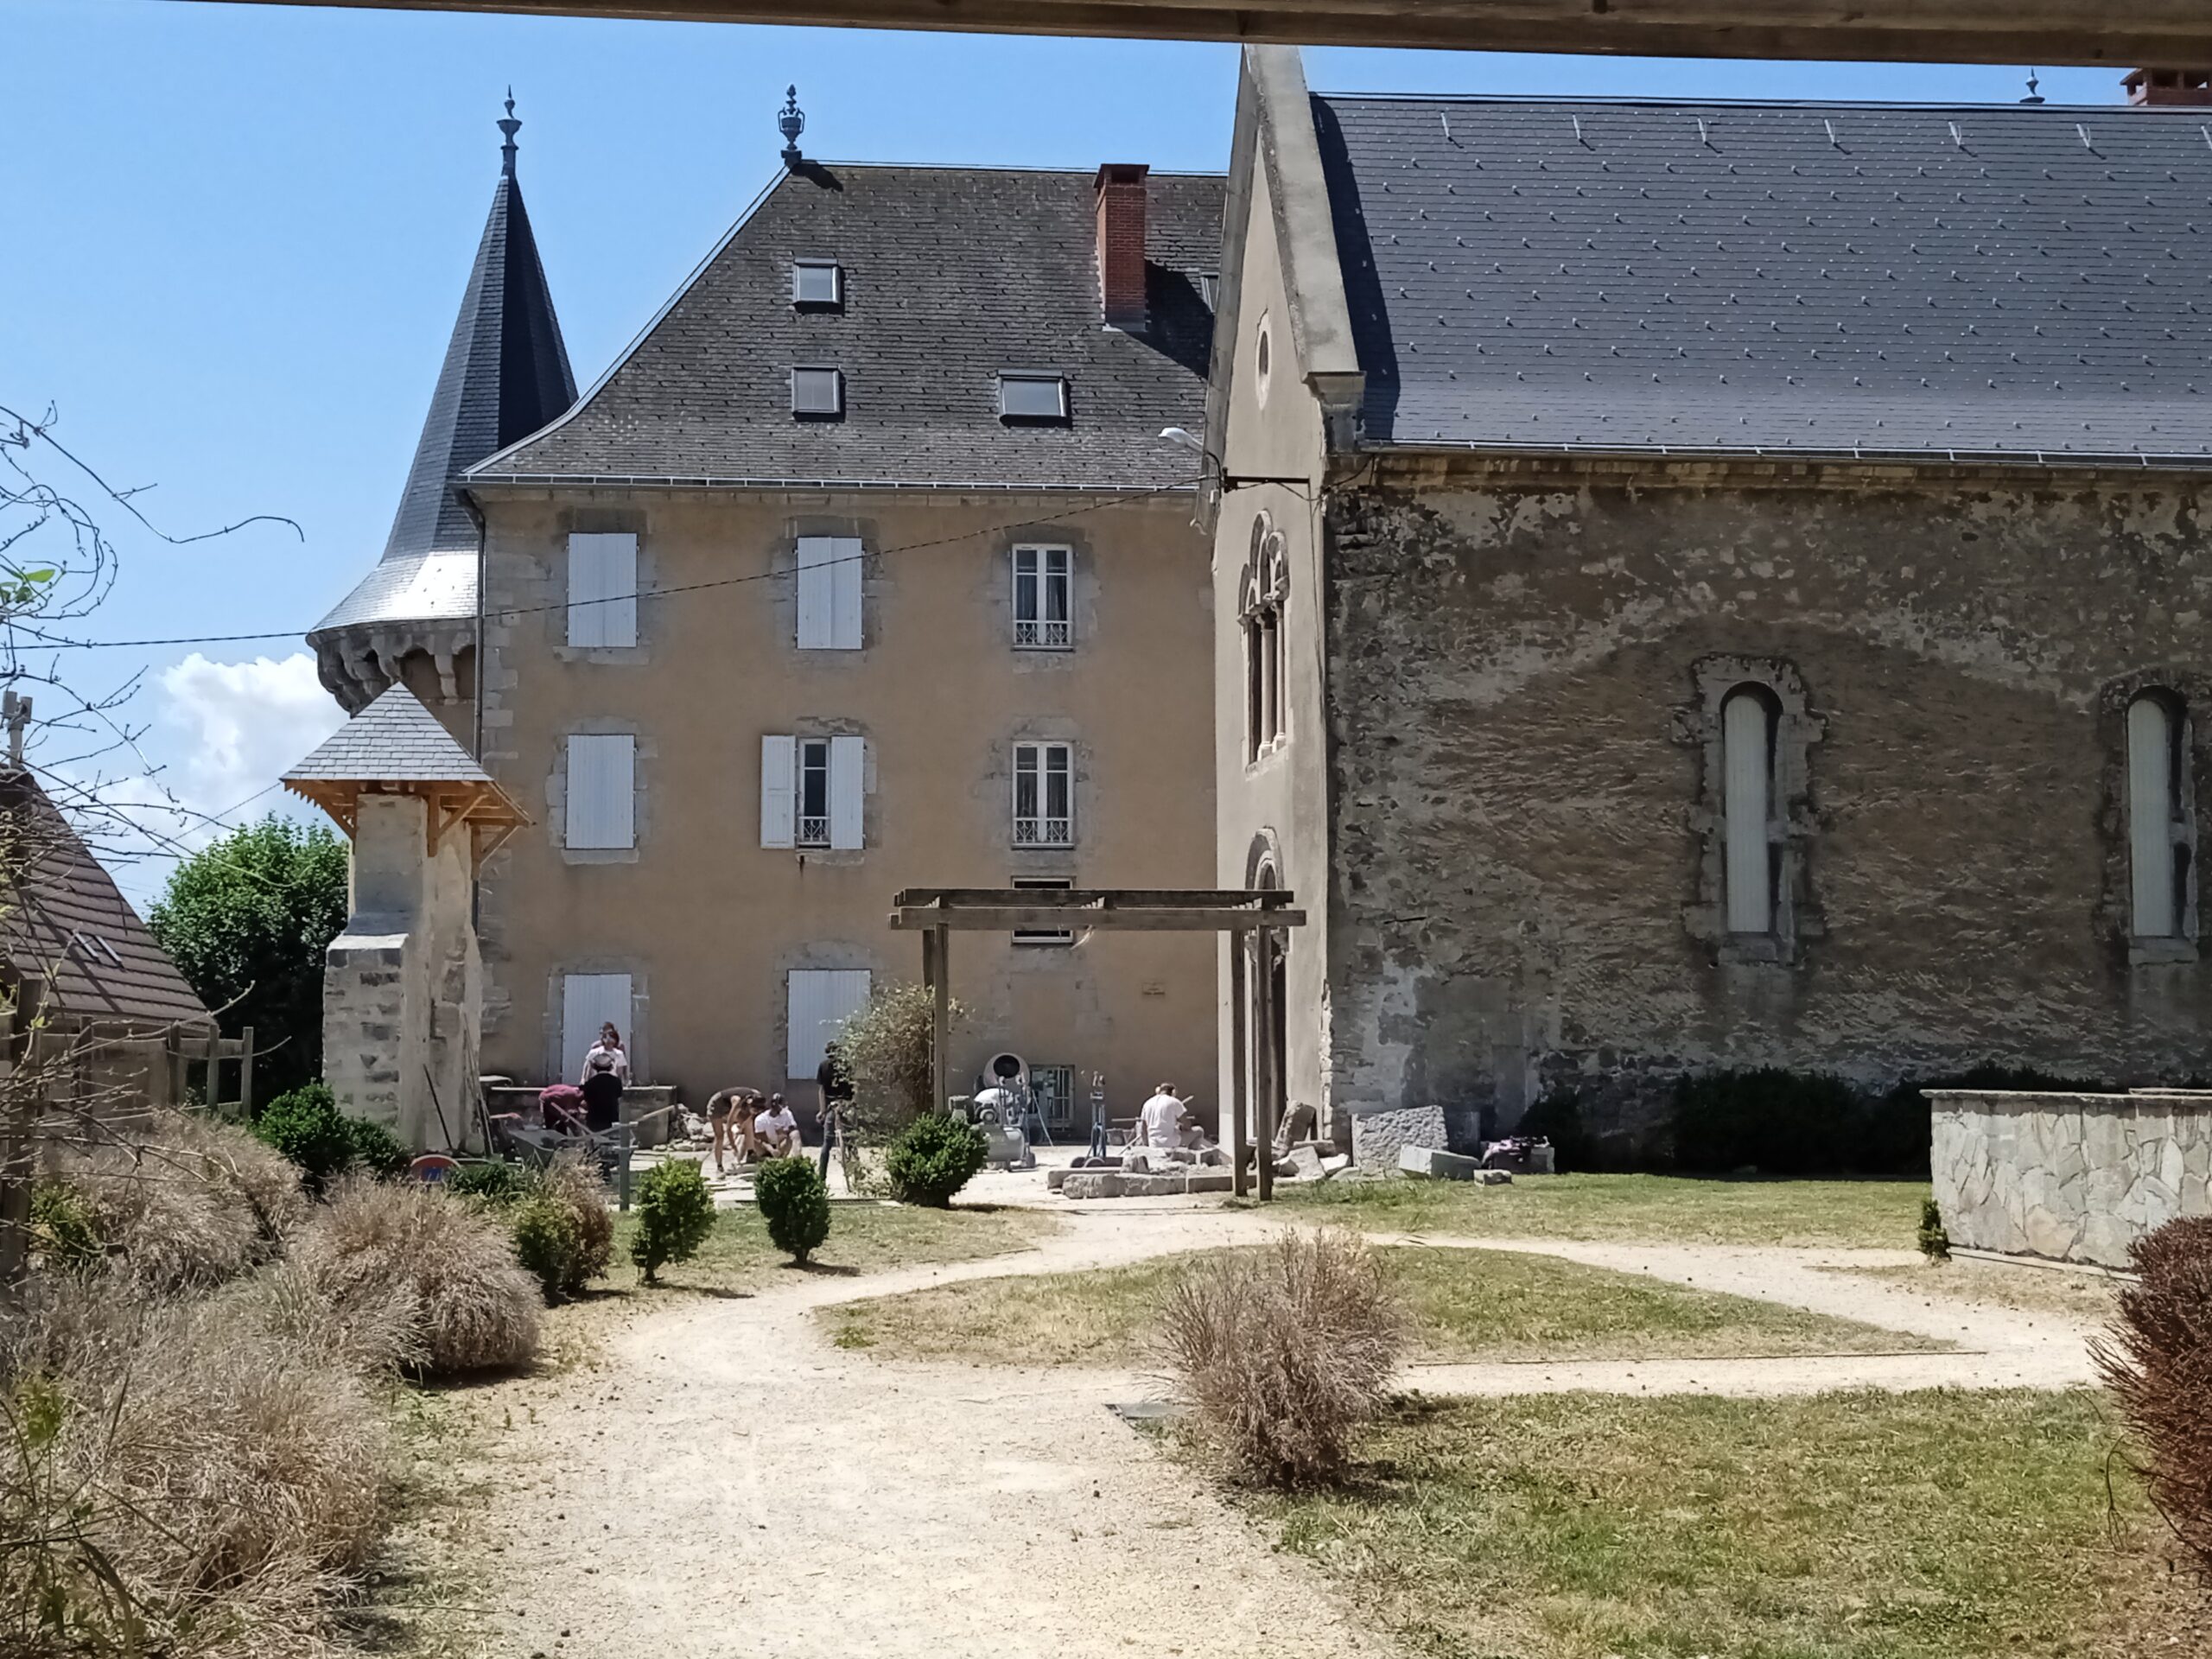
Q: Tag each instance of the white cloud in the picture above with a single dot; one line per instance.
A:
(237, 727)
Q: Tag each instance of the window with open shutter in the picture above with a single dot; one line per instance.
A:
(829, 593)
(847, 767)
(603, 589)
(819, 1002)
(602, 798)
(778, 779)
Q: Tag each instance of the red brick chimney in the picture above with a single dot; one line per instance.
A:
(1121, 188)
(2169, 85)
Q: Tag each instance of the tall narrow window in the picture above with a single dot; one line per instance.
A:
(1747, 749)
(602, 589)
(1267, 587)
(1044, 795)
(1041, 607)
(601, 791)
(829, 593)
(814, 792)
(2157, 818)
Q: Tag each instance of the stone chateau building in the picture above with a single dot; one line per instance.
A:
(1712, 584)
(864, 567)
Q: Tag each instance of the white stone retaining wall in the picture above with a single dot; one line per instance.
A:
(2069, 1178)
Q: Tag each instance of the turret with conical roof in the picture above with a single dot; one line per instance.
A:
(412, 619)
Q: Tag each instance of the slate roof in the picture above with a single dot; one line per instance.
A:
(1984, 281)
(505, 374)
(394, 741)
(950, 274)
(65, 917)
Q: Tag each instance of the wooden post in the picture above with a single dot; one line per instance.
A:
(245, 1075)
(1240, 1059)
(1264, 1069)
(941, 1020)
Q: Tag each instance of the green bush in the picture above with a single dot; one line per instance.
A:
(1896, 1141)
(1779, 1122)
(376, 1149)
(571, 1184)
(546, 1242)
(934, 1158)
(675, 1214)
(1558, 1118)
(1934, 1241)
(795, 1204)
(495, 1184)
(307, 1126)
(64, 1230)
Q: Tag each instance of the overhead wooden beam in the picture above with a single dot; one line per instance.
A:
(2144, 34)
(1127, 910)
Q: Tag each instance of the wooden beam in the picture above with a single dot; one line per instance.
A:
(1240, 1059)
(941, 1019)
(1023, 916)
(2144, 33)
(1263, 1063)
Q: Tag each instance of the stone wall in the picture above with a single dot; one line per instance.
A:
(1521, 824)
(2069, 1178)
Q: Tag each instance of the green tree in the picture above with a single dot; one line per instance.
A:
(246, 920)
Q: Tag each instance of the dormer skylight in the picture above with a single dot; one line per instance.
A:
(1032, 395)
(817, 283)
(817, 393)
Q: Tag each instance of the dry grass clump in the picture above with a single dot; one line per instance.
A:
(187, 1204)
(451, 1268)
(2157, 1363)
(1283, 1353)
(175, 1478)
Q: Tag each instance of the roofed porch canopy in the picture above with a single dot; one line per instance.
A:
(1254, 915)
(2147, 34)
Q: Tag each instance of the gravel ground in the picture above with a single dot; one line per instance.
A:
(722, 1481)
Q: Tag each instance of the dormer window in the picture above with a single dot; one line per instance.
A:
(818, 283)
(817, 394)
(1032, 395)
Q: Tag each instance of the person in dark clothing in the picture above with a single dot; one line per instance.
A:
(835, 1081)
(602, 1093)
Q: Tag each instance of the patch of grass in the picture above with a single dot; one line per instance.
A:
(1933, 1525)
(738, 1256)
(1670, 1209)
(2084, 1298)
(1463, 1305)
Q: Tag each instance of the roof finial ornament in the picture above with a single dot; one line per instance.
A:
(2033, 97)
(791, 122)
(509, 127)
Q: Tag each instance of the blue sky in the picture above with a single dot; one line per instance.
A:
(237, 236)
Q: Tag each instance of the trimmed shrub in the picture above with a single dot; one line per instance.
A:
(64, 1234)
(1284, 1352)
(1935, 1240)
(932, 1157)
(451, 1266)
(375, 1150)
(494, 1184)
(545, 1243)
(2157, 1360)
(675, 1214)
(1558, 1118)
(1778, 1123)
(572, 1183)
(795, 1204)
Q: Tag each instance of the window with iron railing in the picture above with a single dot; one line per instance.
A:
(1042, 608)
(814, 792)
(1044, 795)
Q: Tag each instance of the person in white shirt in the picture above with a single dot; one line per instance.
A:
(610, 1045)
(1161, 1118)
(778, 1130)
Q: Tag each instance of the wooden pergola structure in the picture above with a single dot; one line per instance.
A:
(1255, 920)
(487, 811)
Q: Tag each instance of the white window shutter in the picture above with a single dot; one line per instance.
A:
(779, 778)
(817, 599)
(818, 1001)
(845, 593)
(1745, 784)
(2150, 818)
(588, 1001)
(603, 589)
(847, 755)
(601, 793)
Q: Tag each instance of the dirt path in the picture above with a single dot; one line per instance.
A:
(727, 1482)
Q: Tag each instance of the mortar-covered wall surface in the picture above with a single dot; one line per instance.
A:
(1520, 674)
(708, 922)
(2068, 1177)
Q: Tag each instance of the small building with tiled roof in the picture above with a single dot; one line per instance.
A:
(865, 566)
(1711, 585)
